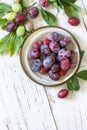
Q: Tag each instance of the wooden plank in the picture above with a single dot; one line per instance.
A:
(24, 102)
(71, 113)
(25, 105)
(85, 5)
(85, 16)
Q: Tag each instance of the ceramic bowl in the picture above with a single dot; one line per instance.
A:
(39, 34)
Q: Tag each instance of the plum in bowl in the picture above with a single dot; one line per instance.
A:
(50, 56)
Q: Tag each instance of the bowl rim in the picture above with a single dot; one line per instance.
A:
(26, 71)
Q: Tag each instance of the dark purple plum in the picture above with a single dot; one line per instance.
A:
(42, 56)
(45, 49)
(11, 27)
(58, 58)
(34, 54)
(37, 44)
(54, 36)
(54, 46)
(33, 12)
(20, 18)
(67, 39)
(64, 41)
(36, 65)
(55, 68)
(73, 59)
(65, 64)
(54, 76)
(64, 53)
(48, 61)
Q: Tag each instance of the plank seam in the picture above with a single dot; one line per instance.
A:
(51, 109)
(20, 107)
(84, 6)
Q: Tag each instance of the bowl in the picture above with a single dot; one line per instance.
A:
(36, 76)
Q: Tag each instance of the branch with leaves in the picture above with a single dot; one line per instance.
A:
(18, 33)
(69, 6)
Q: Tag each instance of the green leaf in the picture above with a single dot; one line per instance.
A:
(81, 53)
(75, 83)
(74, 6)
(11, 42)
(24, 3)
(48, 17)
(82, 74)
(4, 43)
(1, 15)
(52, 1)
(5, 8)
(15, 44)
(71, 9)
(69, 86)
(60, 3)
(56, 5)
(73, 1)
(3, 23)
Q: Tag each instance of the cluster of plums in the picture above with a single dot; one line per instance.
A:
(18, 19)
(51, 56)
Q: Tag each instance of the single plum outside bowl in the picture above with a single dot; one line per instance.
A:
(26, 63)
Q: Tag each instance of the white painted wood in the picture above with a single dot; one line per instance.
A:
(24, 102)
(71, 113)
(85, 5)
(24, 105)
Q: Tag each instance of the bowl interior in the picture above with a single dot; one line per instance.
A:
(39, 34)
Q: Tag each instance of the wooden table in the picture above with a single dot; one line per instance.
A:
(25, 105)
